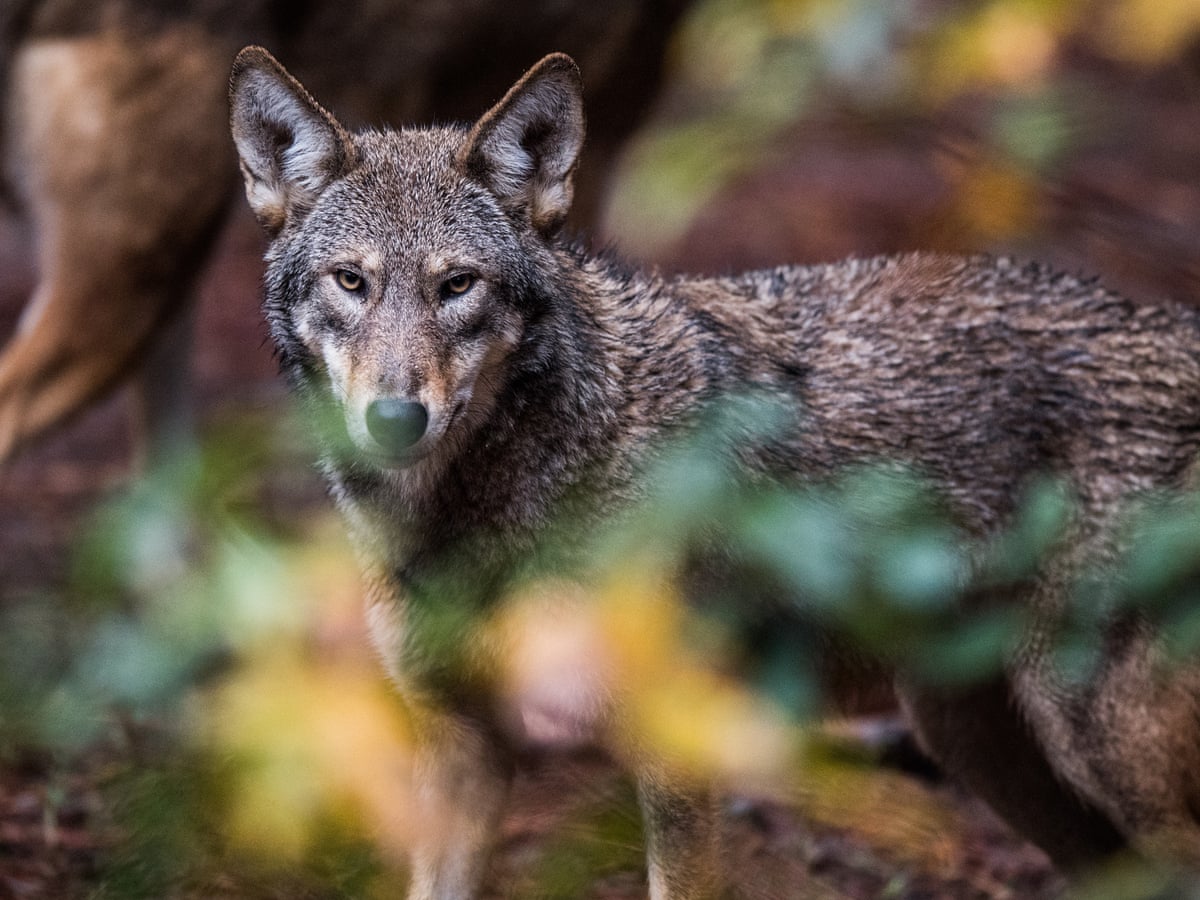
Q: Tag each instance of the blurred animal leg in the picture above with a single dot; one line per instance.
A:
(121, 159)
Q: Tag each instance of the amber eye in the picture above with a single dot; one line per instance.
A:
(458, 284)
(349, 281)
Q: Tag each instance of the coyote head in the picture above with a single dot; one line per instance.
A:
(403, 271)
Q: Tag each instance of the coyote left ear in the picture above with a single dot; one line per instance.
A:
(525, 148)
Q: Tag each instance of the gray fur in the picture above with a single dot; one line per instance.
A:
(555, 377)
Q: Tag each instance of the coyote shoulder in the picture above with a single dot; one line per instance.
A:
(485, 375)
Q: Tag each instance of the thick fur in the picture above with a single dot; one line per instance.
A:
(552, 379)
(114, 144)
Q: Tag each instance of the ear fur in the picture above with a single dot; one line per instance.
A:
(524, 149)
(290, 147)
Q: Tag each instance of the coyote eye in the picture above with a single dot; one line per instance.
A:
(457, 284)
(349, 281)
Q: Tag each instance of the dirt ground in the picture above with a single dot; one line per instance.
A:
(1125, 205)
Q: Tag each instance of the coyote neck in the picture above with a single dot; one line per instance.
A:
(658, 353)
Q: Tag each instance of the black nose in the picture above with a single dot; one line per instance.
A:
(396, 424)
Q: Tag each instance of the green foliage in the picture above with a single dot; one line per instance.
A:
(190, 596)
(752, 75)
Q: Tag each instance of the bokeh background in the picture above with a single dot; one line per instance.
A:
(187, 703)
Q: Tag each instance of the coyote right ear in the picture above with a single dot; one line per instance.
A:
(290, 148)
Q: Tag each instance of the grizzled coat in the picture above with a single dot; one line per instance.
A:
(485, 376)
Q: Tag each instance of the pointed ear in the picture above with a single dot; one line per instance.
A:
(525, 148)
(290, 148)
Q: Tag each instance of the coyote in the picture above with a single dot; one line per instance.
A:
(115, 148)
(485, 375)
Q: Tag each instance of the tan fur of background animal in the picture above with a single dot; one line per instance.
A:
(116, 151)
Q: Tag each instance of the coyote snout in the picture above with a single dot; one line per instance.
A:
(393, 431)
(405, 408)
(422, 400)
(397, 425)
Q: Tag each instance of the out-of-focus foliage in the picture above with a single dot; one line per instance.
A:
(749, 73)
(218, 655)
(218, 658)
(229, 651)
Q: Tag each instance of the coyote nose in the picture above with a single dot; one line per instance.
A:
(396, 424)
